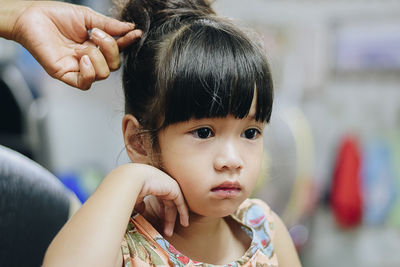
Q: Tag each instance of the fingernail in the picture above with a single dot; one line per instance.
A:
(98, 33)
(86, 60)
(139, 33)
(184, 222)
(130, 24)
(167, 232)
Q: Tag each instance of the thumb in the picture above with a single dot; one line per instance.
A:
(111, 26)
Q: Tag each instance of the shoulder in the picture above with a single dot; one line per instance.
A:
(256, 214)
(283, 244)
(254, 201)
(253, 211)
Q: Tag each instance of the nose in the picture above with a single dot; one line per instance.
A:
(228, 157)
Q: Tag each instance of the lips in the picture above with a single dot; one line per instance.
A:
(227, 186)
(227, 190)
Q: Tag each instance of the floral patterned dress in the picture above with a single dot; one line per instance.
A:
(144, 246)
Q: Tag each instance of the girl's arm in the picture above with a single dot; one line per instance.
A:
(92, 237)
(283, 245)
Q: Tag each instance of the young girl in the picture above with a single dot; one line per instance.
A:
(198, 95)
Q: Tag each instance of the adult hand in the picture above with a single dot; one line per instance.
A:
(56, 34)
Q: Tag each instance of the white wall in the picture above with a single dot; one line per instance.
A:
(84, 127)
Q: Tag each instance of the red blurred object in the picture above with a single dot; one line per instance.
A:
(345, 197)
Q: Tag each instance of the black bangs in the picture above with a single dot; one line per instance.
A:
(213, 72)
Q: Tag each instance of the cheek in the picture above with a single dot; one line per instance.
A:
(180, 167)
(254, 165)
(186, 172)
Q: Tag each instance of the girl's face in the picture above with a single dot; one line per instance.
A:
(216, 161)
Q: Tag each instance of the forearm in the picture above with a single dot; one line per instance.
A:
(92, 237)
(9, 14)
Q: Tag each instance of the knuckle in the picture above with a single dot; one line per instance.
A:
(86, 11)
(86, 8)
(93, 51)
(109, 44)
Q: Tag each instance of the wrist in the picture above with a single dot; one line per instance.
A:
(9, 15)
(132, 173)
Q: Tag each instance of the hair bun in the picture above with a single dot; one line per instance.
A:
(149, 15)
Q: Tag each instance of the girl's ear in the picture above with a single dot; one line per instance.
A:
(137, 144)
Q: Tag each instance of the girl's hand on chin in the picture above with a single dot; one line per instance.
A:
(163, 196)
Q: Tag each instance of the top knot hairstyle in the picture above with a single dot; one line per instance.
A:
(190, 63)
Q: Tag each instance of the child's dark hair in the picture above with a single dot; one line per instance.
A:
(190, 63)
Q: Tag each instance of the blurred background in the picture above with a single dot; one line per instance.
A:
(332, 150)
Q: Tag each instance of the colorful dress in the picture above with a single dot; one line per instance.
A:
(144, 246)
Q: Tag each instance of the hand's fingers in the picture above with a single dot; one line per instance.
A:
(169, 217)
(183, 210)
(98, 61)
(109, 25)
(108, 46)
(86, 44)
(82, 79)
(179, 204)
(87, 73)
(128, 39)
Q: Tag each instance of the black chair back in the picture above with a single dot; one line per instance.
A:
(34, 205)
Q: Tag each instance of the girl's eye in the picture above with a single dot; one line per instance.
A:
(251, 133)
(203, 133)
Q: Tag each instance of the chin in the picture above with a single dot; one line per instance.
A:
(219, 210)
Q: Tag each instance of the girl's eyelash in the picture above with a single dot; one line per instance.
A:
(202, 133)
(251, 133)
(206, 132)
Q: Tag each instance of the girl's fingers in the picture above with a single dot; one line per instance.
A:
(182, 210)
(179, 204)
(97, 59)
(169, 217)
(170, 200)
(108, 47)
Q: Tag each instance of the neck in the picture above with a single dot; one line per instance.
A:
(210, 240)
(200, 227)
